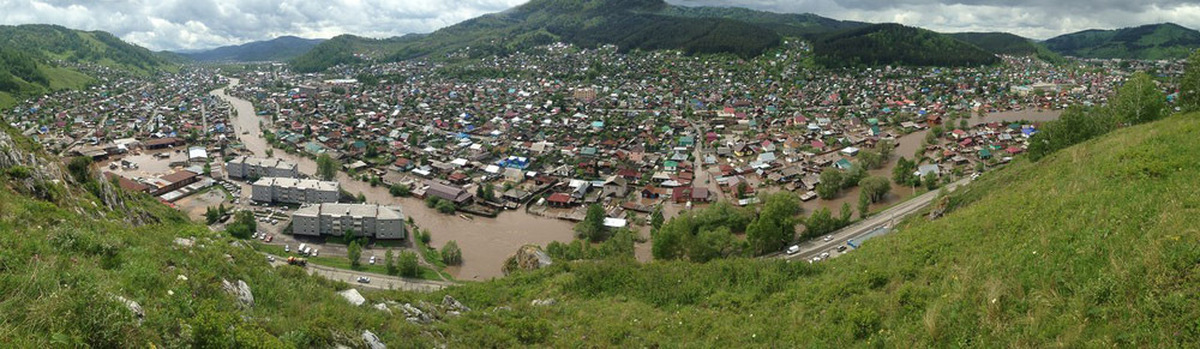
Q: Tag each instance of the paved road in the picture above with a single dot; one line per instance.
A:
(378, 281)
(856, 231)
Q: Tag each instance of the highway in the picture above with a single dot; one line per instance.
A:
(378, 281)
(856, 231)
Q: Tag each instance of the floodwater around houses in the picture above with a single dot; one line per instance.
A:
(485, 242)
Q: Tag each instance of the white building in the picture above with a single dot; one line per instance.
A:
(294, 191)
(368, 220)
(250, 167)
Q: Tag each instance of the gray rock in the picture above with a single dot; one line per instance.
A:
(453, 304)
(184, 242)
(240, 290)
(133, 307)
(415, 315)
(543, 302)
(352, 296)
(372, 340)
(383, 307)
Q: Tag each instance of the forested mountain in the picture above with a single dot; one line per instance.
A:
(31, 56)
(786, 24)
(278, 49)
(1008, 44)
(629, 24)
(1155, 41)
(896, 44)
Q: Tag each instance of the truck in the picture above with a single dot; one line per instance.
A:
(297, 261)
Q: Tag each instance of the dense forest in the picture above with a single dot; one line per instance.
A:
(883, 44)
(277, 49)
(1156, 41)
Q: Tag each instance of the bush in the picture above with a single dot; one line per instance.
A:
(451, 254)
(408, 264)
(445, 206)
(400, 190)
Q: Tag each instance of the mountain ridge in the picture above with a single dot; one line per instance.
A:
(1151, 41)
(278, 49)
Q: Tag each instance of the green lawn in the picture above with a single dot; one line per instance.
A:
(342, 262)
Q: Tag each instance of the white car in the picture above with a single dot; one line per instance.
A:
(828, 238)
(794, 249)
(287, 248)
(314, 253)
(271, 259)
(372, 260)
(825, 255)
(364, 279)
(816, 259)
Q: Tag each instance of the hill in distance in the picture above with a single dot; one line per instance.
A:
(895, 44)
(1155, 41)
(629, 24)
(1096, 245)
(29, 51)
(278, 49)
(1008, 44)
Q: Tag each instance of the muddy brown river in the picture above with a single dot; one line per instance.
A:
(485, 242)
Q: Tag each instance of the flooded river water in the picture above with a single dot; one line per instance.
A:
(485, 242)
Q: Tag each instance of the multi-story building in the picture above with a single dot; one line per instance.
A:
(251, 167)
(369, 220)
(294, 191)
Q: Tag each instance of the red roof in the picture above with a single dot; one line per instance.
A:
(559, 198)
(179, 176)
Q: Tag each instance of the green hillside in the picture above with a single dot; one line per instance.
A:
(1008, 44)
(629, 24)
(30, 55)
(1096, 245)
(1155, 41)
(786, 24)
(895, 44)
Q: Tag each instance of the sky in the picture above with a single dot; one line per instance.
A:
(200, 24)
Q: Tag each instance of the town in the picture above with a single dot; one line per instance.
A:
(497, 153)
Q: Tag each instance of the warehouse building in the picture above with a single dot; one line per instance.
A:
(367, 220)
(294, 191)
(251, 167)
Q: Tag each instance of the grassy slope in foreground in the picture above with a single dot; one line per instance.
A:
(1096, 245)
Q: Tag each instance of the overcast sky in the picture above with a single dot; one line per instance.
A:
(193, 24)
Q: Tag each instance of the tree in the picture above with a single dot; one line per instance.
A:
(875, 188)
(451, 254)
(408, 264)
(207, 171)
(831, 183)
(243, 225)
(864, 204)
(389, 262)
(270, 152)
(819, 223)
(902, 174)
(656, 218)
(846, 214)
(712, 244)
(211, 215)
(1189, 86)
(354, 253)
(1139, 101)
(80, 168)
(327, 167)
(445, 206)
(870, 159)
(400, 190)
(592, 226)
(775, 226)
(885, 148)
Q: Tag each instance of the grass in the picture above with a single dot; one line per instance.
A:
(7, 100)
(1096, 245)
(63, 78)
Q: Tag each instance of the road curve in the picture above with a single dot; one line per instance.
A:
(862, 228)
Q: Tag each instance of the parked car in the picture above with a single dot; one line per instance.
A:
(372, 260)
(824, 255)
(842, 248)
(364, 279)
(271, 259)
(287, 248)
(794, 249)
(828, 238)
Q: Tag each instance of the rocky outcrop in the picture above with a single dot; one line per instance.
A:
(528, 257)
(372, 340)
(452, 304)
(134, 308)
(415, 315)
(543, 302)
(241, 291)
